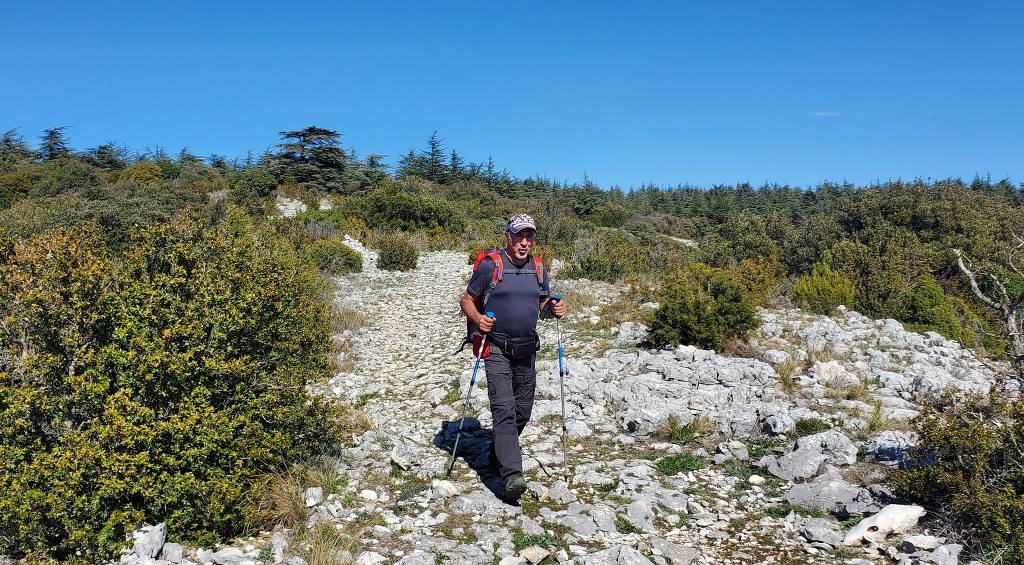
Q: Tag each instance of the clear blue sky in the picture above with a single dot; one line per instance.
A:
(628, 93)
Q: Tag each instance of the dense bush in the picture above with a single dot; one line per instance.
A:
(761, 279)
(154, 386)
(613, 255)
(143, 173)
(334, 257)
(967, 470)
(701, 306)
(927, 308)
(397, 253)
(396, 207)
(822, 290)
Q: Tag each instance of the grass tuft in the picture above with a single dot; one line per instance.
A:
(675, 464)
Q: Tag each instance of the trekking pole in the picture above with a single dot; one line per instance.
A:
(561, 385)
(469, 397)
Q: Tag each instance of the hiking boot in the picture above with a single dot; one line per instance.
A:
(515, 486)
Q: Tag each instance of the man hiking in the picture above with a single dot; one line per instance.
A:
(516, 298)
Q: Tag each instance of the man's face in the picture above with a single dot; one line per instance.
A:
(520, 244)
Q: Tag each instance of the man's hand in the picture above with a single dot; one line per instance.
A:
(558, 308)
(484, 323)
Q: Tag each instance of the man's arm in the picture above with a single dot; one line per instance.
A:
(472, 311)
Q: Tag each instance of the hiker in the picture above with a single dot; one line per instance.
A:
(516, 298)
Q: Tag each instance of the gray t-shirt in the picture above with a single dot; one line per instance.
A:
(515, 300)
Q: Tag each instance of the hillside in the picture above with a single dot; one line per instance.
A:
(252, 362)
(770, 468)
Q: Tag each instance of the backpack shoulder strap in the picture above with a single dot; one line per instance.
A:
(538, 267)
(499, 265)
(495, 257)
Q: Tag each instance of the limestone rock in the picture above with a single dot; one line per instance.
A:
(821, 531)
(893, 519)
(149, 540)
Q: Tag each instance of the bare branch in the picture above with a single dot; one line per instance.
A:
(960, 260)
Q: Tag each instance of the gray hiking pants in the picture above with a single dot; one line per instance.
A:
(511, 384)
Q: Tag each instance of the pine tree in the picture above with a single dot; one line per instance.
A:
(53, 145)
(435, 161)
(455, 166)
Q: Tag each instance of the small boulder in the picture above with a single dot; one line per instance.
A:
(820, 530)
(534, 554)
(149, 540)
(893, 519)
(314, 496)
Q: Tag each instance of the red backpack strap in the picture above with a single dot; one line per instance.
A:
(538, 267)
(499, 266)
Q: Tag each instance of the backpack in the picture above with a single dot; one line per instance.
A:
(472, 335)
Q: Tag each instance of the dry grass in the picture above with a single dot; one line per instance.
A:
(329, 545)
(739, 348)
(578, 299)
(349, 418)
(281, 502)
(856, 391)
(787, 371)
(324, 473)
(346, 318)
(343, 361)
(863, 473)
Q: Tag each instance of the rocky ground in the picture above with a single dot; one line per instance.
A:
(773, 454)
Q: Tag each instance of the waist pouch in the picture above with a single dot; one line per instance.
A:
(518, 347)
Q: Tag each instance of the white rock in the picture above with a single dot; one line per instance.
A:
(370, 558)
(314, 496)
(894, 518)
(534, 554)
(368, 495)
(149, 540)
(913, 543)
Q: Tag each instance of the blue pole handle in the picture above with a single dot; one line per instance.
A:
(490, 314)
(556, 297)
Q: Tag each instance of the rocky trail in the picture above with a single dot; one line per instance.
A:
(675, 456)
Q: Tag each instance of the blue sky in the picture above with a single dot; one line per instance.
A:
(626, 93)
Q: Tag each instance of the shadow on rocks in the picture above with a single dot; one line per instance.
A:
(474, 451)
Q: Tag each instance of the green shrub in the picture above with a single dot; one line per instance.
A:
(397, 253)
(967, 470)
(761, 278)
(159, 385)
(143, 173)
(926, 307)
(822, 290)
(334, 257)
(251, 187)
(810, 426)
(614, 255)
(703, 307)
(681, 462)
(396, 207)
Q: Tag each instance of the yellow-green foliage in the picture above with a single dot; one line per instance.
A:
(970, 472)
(612, 255)
(701, 306)
(822, 290)
(397, 253)
(334, 257)
(925, 306)
(154, 386)
(143, 173)
(760, 278)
